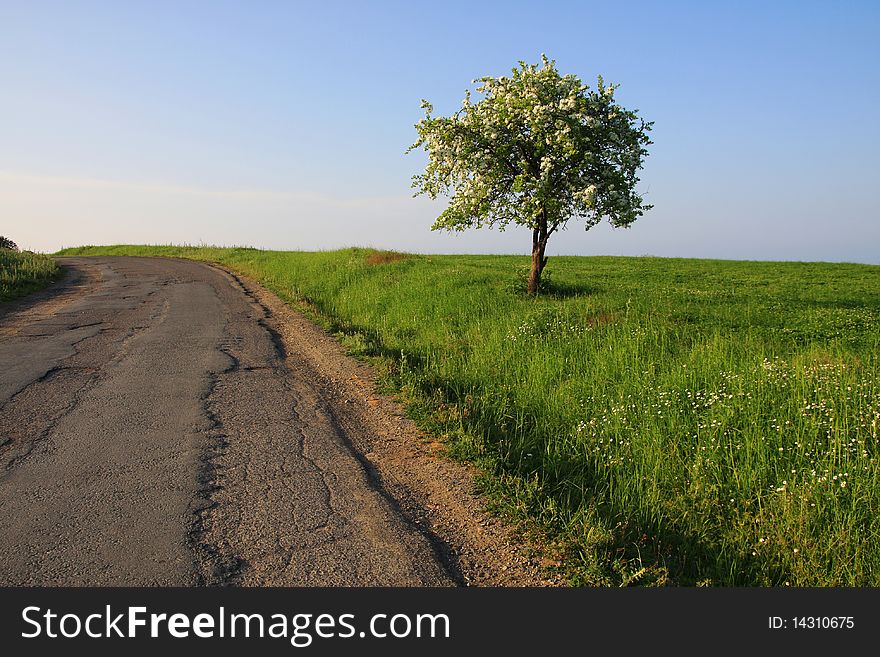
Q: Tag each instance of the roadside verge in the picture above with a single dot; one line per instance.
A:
(430, 489)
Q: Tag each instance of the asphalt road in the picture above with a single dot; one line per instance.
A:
(152, 433)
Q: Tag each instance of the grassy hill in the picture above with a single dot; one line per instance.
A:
(23, 273)
(660, 420)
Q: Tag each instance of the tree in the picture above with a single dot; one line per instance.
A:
(537, 150)
(6, 243)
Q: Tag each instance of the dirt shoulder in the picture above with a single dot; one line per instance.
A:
(428, 488)
(73, 284)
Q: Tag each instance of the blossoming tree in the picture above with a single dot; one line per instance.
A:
(538, 149)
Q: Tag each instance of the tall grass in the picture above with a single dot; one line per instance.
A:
(22, 273)
(665, 421)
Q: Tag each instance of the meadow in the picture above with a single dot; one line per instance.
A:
(22, 273)
(654, 421)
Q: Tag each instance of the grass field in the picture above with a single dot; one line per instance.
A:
(23, 273)
(662, 421)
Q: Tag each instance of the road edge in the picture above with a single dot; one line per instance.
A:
(431, 490)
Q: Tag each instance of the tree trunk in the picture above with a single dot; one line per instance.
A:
(539, 244)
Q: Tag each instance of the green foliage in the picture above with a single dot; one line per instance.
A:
(6, 243)
(685, 421)
(22, 273)
(538, 149)
(519, 281)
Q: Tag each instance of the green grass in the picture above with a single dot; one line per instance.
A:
(23, 273)
(663, 421)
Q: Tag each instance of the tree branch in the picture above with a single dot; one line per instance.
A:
(487, 146)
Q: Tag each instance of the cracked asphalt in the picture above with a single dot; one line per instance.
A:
(154, 432)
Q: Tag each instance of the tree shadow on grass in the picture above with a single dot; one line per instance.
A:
(568, 290)
(554, 290)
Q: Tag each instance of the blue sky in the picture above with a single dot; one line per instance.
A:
(284, 124)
